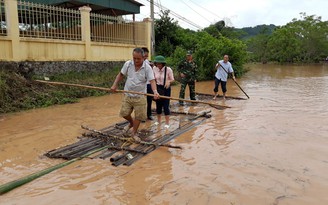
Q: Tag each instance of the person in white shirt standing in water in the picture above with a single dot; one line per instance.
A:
(137, 73)
(223, 67)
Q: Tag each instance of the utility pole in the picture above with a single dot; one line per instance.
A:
(152, 27)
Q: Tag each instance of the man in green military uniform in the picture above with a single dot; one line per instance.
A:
(187, 69)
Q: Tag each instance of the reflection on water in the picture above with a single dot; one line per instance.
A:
(270, 149)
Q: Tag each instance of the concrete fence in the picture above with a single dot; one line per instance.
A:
(36, 32)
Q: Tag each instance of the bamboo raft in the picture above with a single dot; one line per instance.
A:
(122, 150)
(114, 145)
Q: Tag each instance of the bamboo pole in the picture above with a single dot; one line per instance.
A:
(24, 180)
(235, 82)
(131, 92)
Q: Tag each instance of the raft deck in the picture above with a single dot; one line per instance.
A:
(122, 149)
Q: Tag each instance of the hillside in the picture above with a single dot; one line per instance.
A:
(248, 32)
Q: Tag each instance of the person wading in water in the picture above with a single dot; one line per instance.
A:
(223, 67)
(138, 73)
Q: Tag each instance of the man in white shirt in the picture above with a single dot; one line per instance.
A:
(223, 67)
(138, 73)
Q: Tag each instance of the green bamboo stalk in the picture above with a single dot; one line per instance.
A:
(24, 180)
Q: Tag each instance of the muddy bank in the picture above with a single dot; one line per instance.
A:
(19, 91)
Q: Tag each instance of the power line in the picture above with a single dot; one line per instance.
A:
(178, 16)
(205, 9)
(160, 4)
(195, 11)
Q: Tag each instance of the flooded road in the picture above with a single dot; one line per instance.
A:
(270, 149)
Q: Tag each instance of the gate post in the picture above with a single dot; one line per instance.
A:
(13, 28)
(86, 30)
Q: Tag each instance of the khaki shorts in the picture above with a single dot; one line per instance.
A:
(138, 104)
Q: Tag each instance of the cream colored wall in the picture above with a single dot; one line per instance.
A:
(114, 52)
(51, 50)
(59, 50)
(5, 49)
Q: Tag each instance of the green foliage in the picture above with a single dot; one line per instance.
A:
(164, 47)
(178, 55)
(208, 46)
(312, 34)
(213, 31)
(284, 46)
(301, 40)
(186, 38)
(249, 32)
(232, 33)
(207, 54)
(173, 61)
(165, 33)
(208, 51)
(258, 46)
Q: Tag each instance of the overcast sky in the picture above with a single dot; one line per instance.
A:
(238, 13)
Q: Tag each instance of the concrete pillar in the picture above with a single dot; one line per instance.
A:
(148, 35)
(13, 28)
(86, 30)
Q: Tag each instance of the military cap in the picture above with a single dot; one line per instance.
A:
(159, 59)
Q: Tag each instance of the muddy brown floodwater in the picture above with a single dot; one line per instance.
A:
(270, 149)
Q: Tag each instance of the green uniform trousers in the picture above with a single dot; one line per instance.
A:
(192, 92)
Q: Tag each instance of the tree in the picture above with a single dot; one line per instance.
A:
(258, 46)
(173, 42)
(304, 40)
(219, 29)
(209, 50)
(313, 34)
(248, 32)
(284, 46)
(165, 30)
